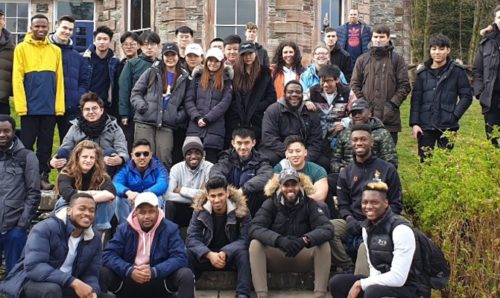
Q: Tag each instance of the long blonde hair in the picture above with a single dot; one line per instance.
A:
(73, 170)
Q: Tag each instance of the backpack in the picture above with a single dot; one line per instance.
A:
(430, 259)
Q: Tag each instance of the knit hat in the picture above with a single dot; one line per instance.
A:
(192, 142)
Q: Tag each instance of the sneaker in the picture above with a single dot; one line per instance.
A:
(44, 182)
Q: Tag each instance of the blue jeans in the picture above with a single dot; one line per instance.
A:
(12, 243)
(123, 208)
(103, 213)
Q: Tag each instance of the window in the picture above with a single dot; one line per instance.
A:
(231, 16)
(139, 15)
(81, 11)
(16, 18)
(330, 9)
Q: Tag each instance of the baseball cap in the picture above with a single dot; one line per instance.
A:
(146, 198)
(288, 174)
(170, 47)
(247, 47)
(194, 48)
(216, 53)
(359, 105)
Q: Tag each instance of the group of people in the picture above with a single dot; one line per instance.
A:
(271, 166)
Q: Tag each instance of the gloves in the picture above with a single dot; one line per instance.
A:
(283, 243)
(295, 246)
(353, 226)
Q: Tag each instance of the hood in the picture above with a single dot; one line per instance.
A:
(29, 39)
(62, 214)
(283, 103)
(52, 40)
(272, 186)
(6, 38)
(376, 123)
(236, 202)
(228, 72)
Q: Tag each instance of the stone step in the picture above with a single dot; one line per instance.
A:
(225, 280)
(272, 294)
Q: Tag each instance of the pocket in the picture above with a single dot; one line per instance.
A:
(14, 171)
(447, 116)
(391, 115)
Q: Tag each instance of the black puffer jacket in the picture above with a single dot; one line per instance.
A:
(211, 105)
(6, 60)
(434, 103)
(485, 68)
(280, 121)
(274, 219)
(250, 114)
(342, 59)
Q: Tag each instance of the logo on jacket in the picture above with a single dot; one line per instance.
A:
(355, 178)
(382, 242)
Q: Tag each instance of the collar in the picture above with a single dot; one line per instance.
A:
(62, 214)
(231, 206)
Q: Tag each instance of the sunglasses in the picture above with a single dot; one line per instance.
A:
(145, 154)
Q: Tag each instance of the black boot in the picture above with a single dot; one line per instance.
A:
(44, 182)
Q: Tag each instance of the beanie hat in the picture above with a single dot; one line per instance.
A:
(192, 142)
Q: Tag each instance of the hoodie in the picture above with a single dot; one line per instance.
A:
(145, 239)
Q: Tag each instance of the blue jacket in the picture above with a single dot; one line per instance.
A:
(201, 228)
(46, 251)
(113, 63)
(366, 36)
(310, 77)
(167, 255)
(76, 76)
(155, 178)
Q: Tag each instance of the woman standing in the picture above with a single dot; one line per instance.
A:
(157, 98)
(86, 172)
(253, 92)
(207, 100)
(287, 66)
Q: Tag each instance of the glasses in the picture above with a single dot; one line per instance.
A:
(144, 153)
(328, 81)
(129, 45)
(320, 54)
(93, 109)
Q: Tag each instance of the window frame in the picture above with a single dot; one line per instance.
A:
(17, 34)
(129, 15)
(234, 25)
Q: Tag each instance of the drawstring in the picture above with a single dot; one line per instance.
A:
(144, 243)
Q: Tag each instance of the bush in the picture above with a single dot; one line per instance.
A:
(456, 199)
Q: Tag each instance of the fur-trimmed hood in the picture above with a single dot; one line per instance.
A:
(228, 72)
(272, 186)
(237, 202)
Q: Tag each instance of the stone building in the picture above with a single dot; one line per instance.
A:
(297, 20)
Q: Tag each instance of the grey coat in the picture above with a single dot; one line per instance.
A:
(19, 188)
(147, 99)
(111, 137)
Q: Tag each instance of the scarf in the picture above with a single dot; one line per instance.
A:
(93, 129)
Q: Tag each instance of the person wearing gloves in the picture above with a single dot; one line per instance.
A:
(146, 257)
(290, 233)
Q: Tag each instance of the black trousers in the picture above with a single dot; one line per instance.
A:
(63, 124)
(394, 136)
(429, 139)
(179, 213)
(39, 129)
(34, 289)
(341, 284)
(492, 118)
(4, 108)
(180, 281)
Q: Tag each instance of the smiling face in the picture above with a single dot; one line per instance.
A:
(373, 204)
(321, 56)
(82, 212)
(290, 190)
(91, 111)
(288, 55)
(218, 199)
(130, 47)
(439, 54)
(193, 158)
(213, 64)
(39, 28)
(64, 31)
(87, 160)
(361, 117)
(296, 153)
(353, 16)
(243, 146)
(362, 143)
(231, 52)
(141, 155)
(293, 95)
(6, 135)
(193, 60)
(329, 84)
(170, 59)
(147, 215)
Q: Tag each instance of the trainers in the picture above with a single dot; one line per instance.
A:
(44, 182)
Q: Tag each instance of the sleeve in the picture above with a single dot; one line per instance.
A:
(65, 186)
(91, 275)
(402, 82)
(221, 168)
(220, 109)
(111, 257)
(395, 193)
(84, 76)
(347, 67)
(337, 160)
(387, 148)
(60, 106)
(262, 175)
(277, 168)
(120, 182)
(32, 184)
(416, 101)
(139, 90)
(161, 185)
(270, 130)
(261, 223)
(321, 227)
(477, 72)
(194, 238)
(190, 100)
(125, 90)
(242, 242)
(108, 185)
(315, 138)
(18, 72)
(404, 249)
(120, 144)
(464, 93)
(177, 257)
(343, 195)
(357, 77)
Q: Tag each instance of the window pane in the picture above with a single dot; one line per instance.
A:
(225, 12)
(2, 6)
(11, 10)
(222, 32)
(240, 30)
(22, 10)
(135, 14)
(80, 11)
(22, 25)
(246, 11)
(146, 14)
(11, 24)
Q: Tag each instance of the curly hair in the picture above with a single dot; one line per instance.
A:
(73, 170)
(279, 62)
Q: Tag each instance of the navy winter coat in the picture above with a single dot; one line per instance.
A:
(434, 103)
(46, 251)
(167, 255)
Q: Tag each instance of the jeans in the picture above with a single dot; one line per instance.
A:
(11, 244)
(103, 213)
(33, 289)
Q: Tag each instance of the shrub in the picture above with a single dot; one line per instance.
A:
(456, 200)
